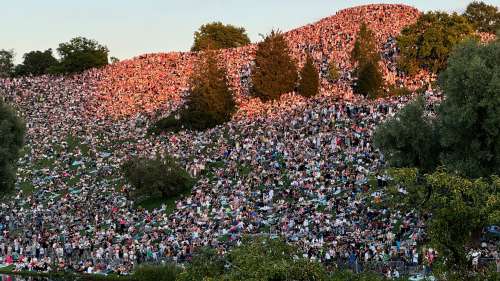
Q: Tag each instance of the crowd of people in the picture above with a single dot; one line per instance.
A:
(302, 169)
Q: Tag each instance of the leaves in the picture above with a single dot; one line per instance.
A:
(214, 36)
(428, 43)
(309, 79)
(275, 72)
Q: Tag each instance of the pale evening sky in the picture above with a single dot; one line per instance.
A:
(133, 27)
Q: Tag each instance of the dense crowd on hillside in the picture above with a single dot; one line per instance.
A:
(302, 169)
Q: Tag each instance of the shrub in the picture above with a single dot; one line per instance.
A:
(168, 272)
(159, 176)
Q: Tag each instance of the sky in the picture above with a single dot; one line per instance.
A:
(134, 27)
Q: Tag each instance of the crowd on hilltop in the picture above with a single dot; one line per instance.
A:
(302, 169)
(158, 81)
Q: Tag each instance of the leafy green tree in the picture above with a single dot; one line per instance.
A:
(485, 18)
(80, 54)
(410, 139)
(210, 101)
(365, 46)
(469, 116)
(215, 35)
(6, 63)
(369, 80)
(12, 131)
(275, 72)
(427, 43)
(467, 125)
(166, 272)
(309, 79)
(461, 209)
(36, 63)
(114, 60)
(159, 176)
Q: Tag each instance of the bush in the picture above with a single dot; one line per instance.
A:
(163, 177)
(168, 272)
(12, 131)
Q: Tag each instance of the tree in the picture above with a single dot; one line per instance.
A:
(159, 176)
(461, 208)
(114, 60)
(12, 131)
(215, 35)
(467, 125)
(36, 63)
(275, 72)
(409, 139)
(309, 79)
(485, 18)
(365, 47)
(469, 116)
(369, 78)
(80, 54)
(210, 101)
(427, 43)
(6, 63)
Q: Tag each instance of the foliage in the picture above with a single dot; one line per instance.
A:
(12, 131)
(114, 60)
(215, 35)
(369, 77)
(465, 134)
(210, 101)
(333, 72)
(206, 263)
(36, 63)
(210, 98)
(80, 54)
(151, 177)
(309, 79)
(167, 272)
(461, 209)
(409, 139)
(369, 80)
(365, 47)
(275, 72)
(485, 18)
(6, 63)
(469, 117)
(271, 259)
(427, 43)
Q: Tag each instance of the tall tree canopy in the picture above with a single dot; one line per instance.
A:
(461, 208)
(427, 43)
(275, 72)
(12, 131)
(210, 101)
(369, 80)
(36, 63)
(6, 63)
(309, 79)
(80, 54)
(217, 35)
(467, 126)
(410, 140)
(365, 46)
(485, 18)
(469, 117)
